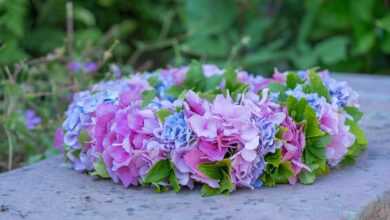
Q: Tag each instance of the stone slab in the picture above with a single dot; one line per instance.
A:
(49, 190)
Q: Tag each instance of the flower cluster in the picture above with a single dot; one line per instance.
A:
(222, 128)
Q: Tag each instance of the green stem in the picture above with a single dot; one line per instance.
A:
(10, 148)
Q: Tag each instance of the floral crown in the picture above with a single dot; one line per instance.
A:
(221, 128)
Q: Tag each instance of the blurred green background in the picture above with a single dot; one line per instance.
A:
(40, 39)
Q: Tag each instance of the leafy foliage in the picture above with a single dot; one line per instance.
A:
(360, 143)
(219, 171)
(316, 85)
(346, 35)
(162, 171)
(100, 169)
(276, 170)
(316, 139)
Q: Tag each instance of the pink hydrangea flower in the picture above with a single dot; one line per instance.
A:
(293, 145)
(329, 119)
(194, 104)
(193, 159)
(204, 126)
(127, 154)
(279, 77)
(340, 142)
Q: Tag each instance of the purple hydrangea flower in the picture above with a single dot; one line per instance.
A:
(32, 120)
(74, 66)
(88, 67)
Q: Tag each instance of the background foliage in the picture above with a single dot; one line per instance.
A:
(258, 35)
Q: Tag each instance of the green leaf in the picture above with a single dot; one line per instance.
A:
(315, 148)
(195, 78)
(225, 186)
(322, 168)
(293, 80)
(384, 23)
(361, 11)
(213, 82)
(219, 171)
(153, 81)
(163, 170)
(354, 112)
(230, 79)
(307, 177)
(277, 87)
(276, 170)
(242, 88)
(216, 15)
(358, 132)
(274, 158)
(385, 45)
(159, 188)
(173, 180)
(147, 97)
(364, 43)
(332, 50)
(215, 170)
(312, 128)
(353, 153)
(159, 172)
(162, 114)
(267, 179)
(203, 45)
(232, 84)
(316, 85)
(296, 109)
(208, 191)
(283, 173)
(84, 16)
(83, 137)
(175, 91)
(210, 95)
(100, 169)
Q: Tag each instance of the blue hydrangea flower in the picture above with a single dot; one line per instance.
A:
(176, 131)
(257, 170)
(303, 74)
(267, 131)
(341, 94)
(274, 96)
(161, 89)
(316, 102)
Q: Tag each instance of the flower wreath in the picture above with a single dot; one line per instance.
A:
(224, 129)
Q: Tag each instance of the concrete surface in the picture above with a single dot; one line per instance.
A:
(49, 190)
